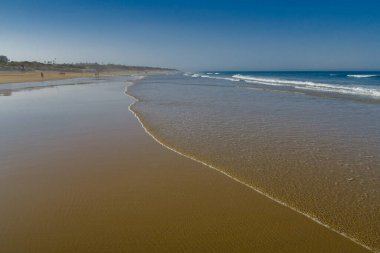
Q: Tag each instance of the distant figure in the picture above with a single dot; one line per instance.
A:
(63, 73)
(42, 74)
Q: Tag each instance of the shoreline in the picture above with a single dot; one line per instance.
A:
(314, 219)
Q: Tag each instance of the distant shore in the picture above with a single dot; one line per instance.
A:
(32, 71)
(38, 76)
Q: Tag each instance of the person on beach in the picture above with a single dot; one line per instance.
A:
(42, 74)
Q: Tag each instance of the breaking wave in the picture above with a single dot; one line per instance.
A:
(315, 86)
(362, 76)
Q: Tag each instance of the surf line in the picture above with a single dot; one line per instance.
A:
(313, 218)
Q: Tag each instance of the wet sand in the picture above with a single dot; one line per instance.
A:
(79, 174)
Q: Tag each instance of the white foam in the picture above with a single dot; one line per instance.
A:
(221, 78)
(212, 77)
(137, 77)
(308, 85)
(362, 76)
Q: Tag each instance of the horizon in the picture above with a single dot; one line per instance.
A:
(244, 36)
(207, 70)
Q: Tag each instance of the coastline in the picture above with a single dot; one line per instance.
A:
(106, 185)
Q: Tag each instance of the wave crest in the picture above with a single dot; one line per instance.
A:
(308, 85)
(362, 76)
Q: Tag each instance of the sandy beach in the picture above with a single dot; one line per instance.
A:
(79, 174)
(35, 76)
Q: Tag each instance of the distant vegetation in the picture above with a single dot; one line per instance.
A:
(3, 59)
(6, 65)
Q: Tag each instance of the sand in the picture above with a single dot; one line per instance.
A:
(79, 174)
(35, 76)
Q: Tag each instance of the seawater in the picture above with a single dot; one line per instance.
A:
(310, 140)
(354, 85)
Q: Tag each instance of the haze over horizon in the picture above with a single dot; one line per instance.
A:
(196, 35)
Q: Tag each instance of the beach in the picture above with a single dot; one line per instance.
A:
(79, 173)
(35, 76)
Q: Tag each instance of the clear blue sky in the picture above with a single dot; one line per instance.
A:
(196, 35)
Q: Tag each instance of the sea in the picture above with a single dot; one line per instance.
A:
(307, 140)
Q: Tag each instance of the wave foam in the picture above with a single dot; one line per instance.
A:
(362, 76)
(308, 85)
(221, 78)
(212, 77)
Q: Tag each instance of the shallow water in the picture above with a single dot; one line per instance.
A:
(317, 154)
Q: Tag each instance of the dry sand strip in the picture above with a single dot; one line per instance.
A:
(106, 186)
(35, 76)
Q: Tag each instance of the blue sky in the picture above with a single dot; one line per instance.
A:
(196, 35)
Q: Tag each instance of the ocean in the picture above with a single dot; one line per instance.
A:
(354, 85)
(307, 140)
